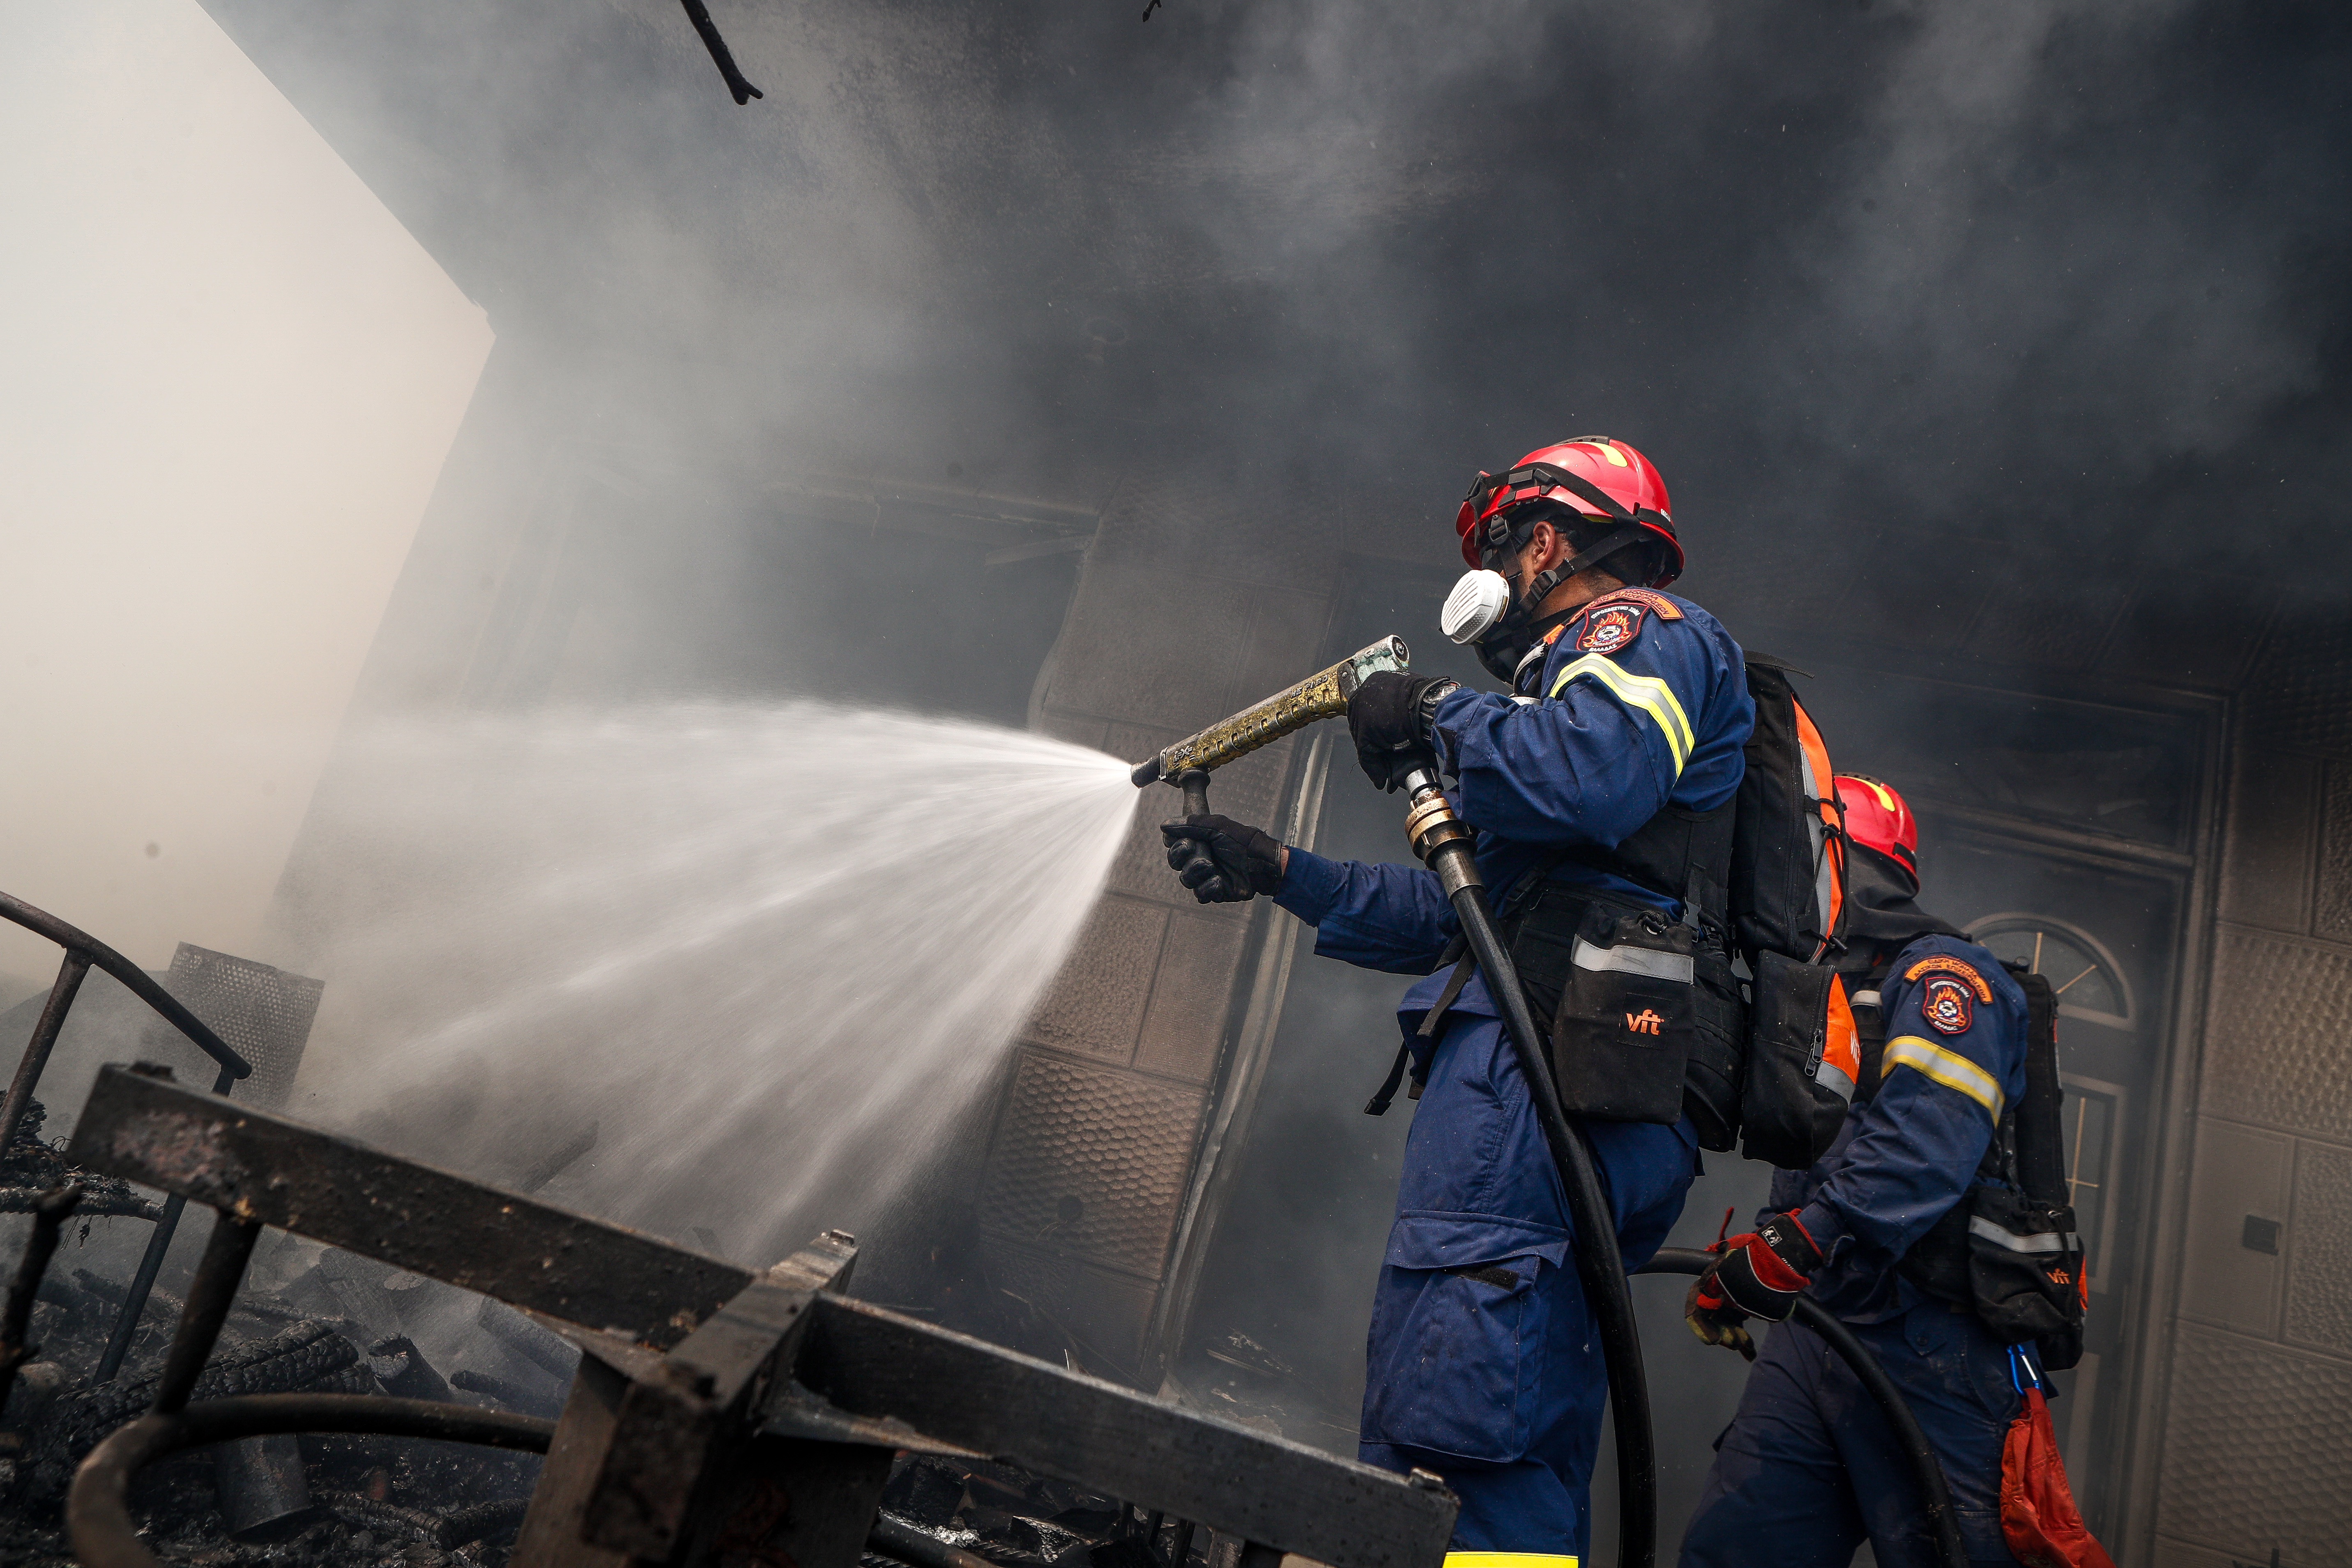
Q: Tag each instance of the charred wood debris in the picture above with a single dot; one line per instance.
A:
(318, 1320)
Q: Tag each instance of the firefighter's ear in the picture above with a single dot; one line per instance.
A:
(1544, 550)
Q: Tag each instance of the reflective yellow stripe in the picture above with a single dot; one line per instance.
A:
(1507, 1560)
(1647, 692)
(1950, 1068)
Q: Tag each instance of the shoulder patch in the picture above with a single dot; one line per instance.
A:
(1945, 1005)
(1607, 630)
(1610, 623)
(1942, 963)
(1648, 598)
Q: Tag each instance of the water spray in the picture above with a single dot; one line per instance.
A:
(1445, 843)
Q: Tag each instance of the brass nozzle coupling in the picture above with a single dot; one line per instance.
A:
(1440, 838)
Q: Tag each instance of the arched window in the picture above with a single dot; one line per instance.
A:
(2089, 982)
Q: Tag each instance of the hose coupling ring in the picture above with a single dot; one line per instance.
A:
(1432, 821)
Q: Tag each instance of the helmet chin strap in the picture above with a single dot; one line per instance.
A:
(1525, 619)
(1545, 581)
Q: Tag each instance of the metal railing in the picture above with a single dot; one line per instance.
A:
(83, 953)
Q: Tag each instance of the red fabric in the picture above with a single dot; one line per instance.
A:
(2038, 1516)
(1766, 1265)
(1772, 1270)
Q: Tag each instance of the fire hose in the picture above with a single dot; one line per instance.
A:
(1935, 1491)
(1443, 844)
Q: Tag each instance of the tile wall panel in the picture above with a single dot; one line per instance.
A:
(2255, 1450)
(2319, 1252)
(1149, 648)
(2266, 857)
(2298, 696)
(2332, 908)
(1096, 1003)
(2239, 1172)
(1105, 1315)
(1192, 997)
(1090, 1161)
(1178, 621)
(2276, 1032)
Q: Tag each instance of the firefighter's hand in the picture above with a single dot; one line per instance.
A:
(1222, 860)
(1758, 1275)
(1714, 1318)
(1389, 720)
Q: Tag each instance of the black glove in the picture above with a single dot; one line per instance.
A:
(1758, 1275)
(1389, 717)
(1222, 860)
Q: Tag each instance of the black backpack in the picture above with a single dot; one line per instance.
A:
(1788, 908)
(1647, 1019)
(2007, 1249)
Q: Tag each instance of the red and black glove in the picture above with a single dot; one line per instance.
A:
(1758, 1275)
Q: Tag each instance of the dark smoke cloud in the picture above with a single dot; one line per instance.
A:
(2054, 269)
(2048, 298)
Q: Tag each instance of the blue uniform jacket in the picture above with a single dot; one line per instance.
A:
(1641, 700)
(1954, 1060)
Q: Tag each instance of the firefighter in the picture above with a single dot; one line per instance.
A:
(1606, 775)
(1809, 1467)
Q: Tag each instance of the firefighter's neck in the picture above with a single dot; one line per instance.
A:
(1545, 548)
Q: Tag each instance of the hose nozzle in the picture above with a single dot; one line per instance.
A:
(1320, 696)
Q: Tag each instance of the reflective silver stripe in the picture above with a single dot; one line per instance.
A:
(2045, 1241)
(1678, 967)
(1864, 998)
(1831, 1077)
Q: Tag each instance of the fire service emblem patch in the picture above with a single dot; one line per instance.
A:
(1948, 1005)
(1604, 631)
(1934, 963)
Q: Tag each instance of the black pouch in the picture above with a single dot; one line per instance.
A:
(1717, 1045)
(1788, 1112)
(2026, 1271)
(1623, 1032)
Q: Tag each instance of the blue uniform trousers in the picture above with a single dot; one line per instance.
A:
(1484, 1364)
(1809, 1467)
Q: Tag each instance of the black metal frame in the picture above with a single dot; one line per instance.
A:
(713, 1408)
(84, 953)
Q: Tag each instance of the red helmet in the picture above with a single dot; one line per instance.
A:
(1876, 818)
(1593, 474)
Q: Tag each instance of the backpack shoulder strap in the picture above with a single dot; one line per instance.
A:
(2041, 1124)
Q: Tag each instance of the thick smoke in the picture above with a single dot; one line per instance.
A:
(2052, 272)
(1930, 313)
